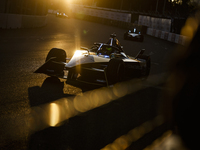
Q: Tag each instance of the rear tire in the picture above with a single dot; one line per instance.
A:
(59, 54)
(115, 71)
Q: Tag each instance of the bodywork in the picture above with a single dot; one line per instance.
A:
(61, 14)
(134, 34)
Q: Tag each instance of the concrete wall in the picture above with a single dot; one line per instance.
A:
(13, 21)
(171, 37)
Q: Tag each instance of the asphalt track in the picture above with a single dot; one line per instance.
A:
(24, 50)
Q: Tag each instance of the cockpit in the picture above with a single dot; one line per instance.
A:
(113, 46)
(106, 50)
(113, 41)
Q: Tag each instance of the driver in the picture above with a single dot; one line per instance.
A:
(115, 42)
(105, 50)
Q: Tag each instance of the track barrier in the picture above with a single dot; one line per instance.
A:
(165, 35)
(14, 21)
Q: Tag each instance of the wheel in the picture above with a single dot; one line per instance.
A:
(60, 55)
(146, 71)
(115, 71)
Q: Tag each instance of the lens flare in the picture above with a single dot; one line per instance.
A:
(85, 32)
(190, 27)
(78, 53)
(124, 141)
(54, 114)
(77, 39)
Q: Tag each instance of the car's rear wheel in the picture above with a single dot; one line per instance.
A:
(115, 71)
(146, 71)
(59, 54)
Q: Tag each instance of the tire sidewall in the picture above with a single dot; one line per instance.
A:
(115, 71)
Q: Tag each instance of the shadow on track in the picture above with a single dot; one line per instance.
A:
(51, 90)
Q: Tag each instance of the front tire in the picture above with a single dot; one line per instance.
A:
(115, 71)
(59, 54)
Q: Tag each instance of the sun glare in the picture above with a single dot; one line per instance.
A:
(69, 1)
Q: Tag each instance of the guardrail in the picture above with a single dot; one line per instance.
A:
(172, 37)
(13, 21)
(116, 23)
(165, 35)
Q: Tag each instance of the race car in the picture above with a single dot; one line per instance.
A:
(104, 64)
(61, 14)
(134, 34)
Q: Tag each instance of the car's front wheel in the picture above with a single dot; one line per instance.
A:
(59, 55)
(115, 71)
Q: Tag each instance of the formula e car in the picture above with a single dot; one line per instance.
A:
(61, 14)
(134, 34)
(103, 64)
